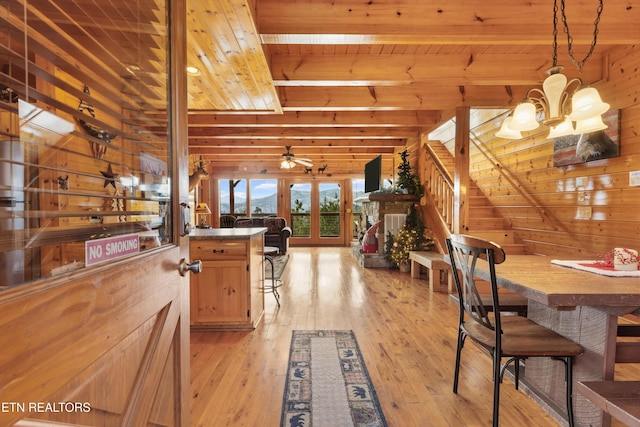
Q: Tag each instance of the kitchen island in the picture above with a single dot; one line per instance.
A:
(229, 292)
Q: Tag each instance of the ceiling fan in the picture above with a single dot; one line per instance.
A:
(289, 160)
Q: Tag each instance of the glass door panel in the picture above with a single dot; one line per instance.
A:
(85, 155)
(300, 196)
(329, 202)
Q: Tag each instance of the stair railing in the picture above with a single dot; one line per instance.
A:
(439, 188)
(512, 181)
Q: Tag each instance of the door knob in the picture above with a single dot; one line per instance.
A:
(195, 267)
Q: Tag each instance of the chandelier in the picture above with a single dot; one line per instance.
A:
(558, 94)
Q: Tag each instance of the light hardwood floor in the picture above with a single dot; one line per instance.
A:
(407, 336)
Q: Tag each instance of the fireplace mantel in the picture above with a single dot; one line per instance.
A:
(391, 197)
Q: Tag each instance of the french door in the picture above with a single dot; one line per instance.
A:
(316, 213)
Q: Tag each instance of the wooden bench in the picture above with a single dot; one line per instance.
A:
(438, 269)
(620, 399)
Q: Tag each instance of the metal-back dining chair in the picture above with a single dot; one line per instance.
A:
(515, 338)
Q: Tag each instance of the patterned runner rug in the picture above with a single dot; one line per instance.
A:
(328, 384)
(279, 263)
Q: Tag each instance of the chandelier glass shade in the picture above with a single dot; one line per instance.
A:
(563, 129)
(561, 102)
(589, 125)
(507, 132)
(524, 117)
(587, 104)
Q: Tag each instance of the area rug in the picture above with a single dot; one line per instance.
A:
(328, 384)
(279, 263)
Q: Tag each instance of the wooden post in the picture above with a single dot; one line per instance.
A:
(461, 172)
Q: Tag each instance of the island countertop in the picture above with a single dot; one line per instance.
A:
(226, 233)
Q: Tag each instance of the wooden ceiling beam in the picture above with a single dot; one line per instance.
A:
(454, 22)
(303, 132)
(316, 160)
(506, 35)
(317, 119)
(205, 144)
(240, 163)
(446, 69)
(410, 97)
(346, 152)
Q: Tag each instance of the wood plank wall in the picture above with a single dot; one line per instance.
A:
(615, 219)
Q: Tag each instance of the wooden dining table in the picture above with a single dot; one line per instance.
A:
(580, 305)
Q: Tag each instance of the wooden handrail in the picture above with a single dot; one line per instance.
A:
(439, 188)
(512, 181)
(438, 164)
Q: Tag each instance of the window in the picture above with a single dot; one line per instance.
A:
(84, 144)
(263, 196)
(233, 197)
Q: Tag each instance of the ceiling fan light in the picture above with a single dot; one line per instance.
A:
(590, 125)
(287, 164)
(563, 129)
(586, 103)
(524, 117)
(507, 132)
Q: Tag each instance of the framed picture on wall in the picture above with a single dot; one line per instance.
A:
(602, 144)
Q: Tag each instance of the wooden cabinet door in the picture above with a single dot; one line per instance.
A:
(219, 295)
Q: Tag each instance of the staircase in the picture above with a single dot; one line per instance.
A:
(485, 219)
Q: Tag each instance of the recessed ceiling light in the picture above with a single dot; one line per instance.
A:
(193, 71)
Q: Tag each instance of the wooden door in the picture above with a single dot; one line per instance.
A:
(104, 344)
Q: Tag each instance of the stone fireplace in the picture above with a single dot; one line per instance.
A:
(376, 206)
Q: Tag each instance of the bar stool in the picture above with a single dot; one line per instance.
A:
(269, 251)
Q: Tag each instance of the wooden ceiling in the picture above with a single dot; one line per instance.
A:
(343, 81)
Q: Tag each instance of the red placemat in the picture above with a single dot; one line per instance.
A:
(596, 267)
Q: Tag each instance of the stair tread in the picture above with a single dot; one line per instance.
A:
(485, 219)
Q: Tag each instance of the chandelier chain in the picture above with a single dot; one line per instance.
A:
(574, 61)
(555, 33)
